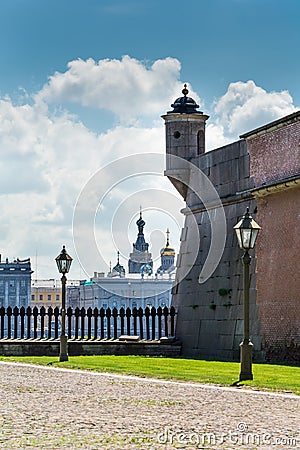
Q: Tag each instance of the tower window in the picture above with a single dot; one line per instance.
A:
(176, 135)
(200, 142)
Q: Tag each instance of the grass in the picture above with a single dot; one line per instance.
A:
(280, 378)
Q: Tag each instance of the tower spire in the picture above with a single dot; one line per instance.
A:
(168, 234)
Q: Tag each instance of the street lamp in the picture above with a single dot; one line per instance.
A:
(63, 261)
(246, 230)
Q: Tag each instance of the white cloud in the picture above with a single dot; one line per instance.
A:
(45, 161)
(46, 158)
(246, 106)
(215, 137)
(129, 88)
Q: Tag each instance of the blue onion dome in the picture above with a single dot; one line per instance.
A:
(185, 104)
(140, 222)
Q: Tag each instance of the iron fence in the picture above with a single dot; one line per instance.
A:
(81, 323)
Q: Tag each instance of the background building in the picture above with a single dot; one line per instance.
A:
(48, 292)
(116, 290)
(121, 292)
(15, 282)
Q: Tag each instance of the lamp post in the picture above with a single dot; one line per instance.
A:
(63, 261)
(246, 230)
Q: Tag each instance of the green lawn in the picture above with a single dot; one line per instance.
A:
(266, 376)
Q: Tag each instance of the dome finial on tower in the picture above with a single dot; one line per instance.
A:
(185, 91)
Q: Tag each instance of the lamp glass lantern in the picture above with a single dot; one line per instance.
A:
(63, 261)
(247, 230)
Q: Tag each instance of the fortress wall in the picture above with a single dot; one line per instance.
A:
(210, 315)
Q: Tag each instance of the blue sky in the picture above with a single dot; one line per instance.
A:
(114, 68)
(217, 42)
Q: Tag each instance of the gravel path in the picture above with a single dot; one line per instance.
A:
(51, 408)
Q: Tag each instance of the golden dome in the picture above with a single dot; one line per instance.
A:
(167, 250)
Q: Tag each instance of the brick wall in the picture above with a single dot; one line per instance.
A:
(278, 281)
(274, 155)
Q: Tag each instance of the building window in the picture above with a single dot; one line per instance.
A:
(49, 297)
(32, 297)
(41, 297)
(12, 283)
(23, 283)
(57, 297)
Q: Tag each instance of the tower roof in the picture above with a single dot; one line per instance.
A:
(167, 250)
(185, 104)
(140, 222)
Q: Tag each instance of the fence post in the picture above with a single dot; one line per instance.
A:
(42, 314)
(102, 314)
(166, 313)
(77, 314)
(22, 315)
(147, 315)
(122, 315)
(89, 314)
(82, 315)
(28, 314)
(35, 313)
(172, 314)
(108, 316)
(9, 314)
(49, 314)
(140, 314)
(134, 315)
(159, 314)
(96, 314)
(69, 316)
(153, 314)
(2, 315)
(56, 315)
(16, 314)
(128, 315)
(115, 323)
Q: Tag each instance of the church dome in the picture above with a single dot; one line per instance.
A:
(185, 105)
(167, 250)
(140, 223)
(118, 269)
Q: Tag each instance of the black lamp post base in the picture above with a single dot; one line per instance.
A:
(63, 352)
(246, 350)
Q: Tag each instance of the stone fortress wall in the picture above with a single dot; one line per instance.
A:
(261, 171)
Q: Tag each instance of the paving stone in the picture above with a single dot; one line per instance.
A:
(48, 408)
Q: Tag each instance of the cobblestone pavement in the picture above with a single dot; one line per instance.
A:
(62, 409)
